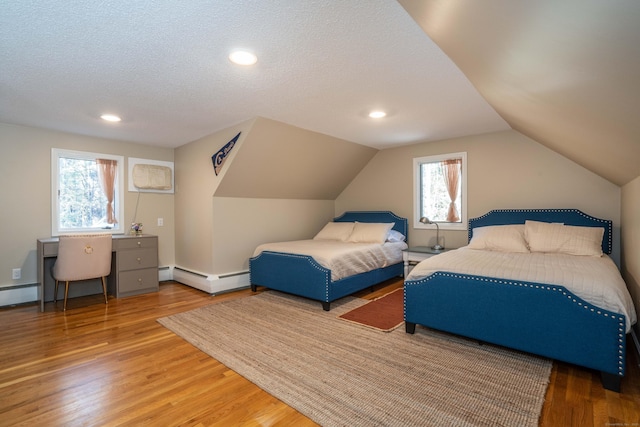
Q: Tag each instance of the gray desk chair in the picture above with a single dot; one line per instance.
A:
(82, 257)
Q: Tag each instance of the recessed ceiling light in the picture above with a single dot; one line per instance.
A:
(243, 57)
(377, 114)
(110, 117)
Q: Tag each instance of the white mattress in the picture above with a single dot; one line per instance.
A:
(594, 279)
(342, 258)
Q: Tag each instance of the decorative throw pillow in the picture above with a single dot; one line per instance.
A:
(395, 236)
(566, 239)
(335, 231)
(370, 232)
(500, 238)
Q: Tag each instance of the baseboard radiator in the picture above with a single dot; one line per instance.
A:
(18, 294)
(165, 273)
(211, 283)
(12, 295)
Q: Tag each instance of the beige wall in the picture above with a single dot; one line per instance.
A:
(505, 170)
(631, 240)
(241, 224)
(280, 161)
(196, 183)
(279, 183)
(25, 162)
(213, 234)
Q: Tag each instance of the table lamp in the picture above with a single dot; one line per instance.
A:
(437, 246)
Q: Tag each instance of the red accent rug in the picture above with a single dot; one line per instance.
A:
(385, 313)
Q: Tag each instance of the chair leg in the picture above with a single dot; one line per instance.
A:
(55, 293)
(104, 289)
(66, 292)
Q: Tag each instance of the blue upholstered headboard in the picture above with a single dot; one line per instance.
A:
(566, 216)
(401, 224)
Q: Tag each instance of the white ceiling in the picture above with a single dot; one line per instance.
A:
(322, 65)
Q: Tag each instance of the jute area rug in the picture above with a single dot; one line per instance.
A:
(341, 374)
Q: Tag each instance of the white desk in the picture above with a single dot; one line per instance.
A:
(134, 268)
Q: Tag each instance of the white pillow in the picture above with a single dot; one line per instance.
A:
(566, 239)
(370, 232)
(395, 236)
(500, 238)
(335, 231)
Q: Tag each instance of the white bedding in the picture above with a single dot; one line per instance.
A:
(594, 279)
(344, 259)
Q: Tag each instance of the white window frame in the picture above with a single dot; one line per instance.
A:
(56, 154)
(462, 225)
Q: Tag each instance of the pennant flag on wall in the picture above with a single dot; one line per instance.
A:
(219, 158)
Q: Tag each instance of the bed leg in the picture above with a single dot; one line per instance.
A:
(410, 327)
(254, 288)
(611, 381)
(326, 306)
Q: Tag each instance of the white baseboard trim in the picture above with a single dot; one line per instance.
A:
(20, 294)
(212, 283)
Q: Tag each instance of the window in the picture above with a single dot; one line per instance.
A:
(440, 190)
(87, 192)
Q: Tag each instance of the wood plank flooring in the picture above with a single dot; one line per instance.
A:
(109, 365)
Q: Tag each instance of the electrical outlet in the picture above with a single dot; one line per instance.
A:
(16, 273)
(160, 222)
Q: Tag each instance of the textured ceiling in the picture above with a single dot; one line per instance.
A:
(162, 66)
(565, 73)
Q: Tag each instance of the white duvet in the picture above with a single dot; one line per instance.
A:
(344, 259)
(594, 279)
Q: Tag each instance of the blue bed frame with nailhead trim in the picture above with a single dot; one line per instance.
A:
(301, 275)
(546, 320)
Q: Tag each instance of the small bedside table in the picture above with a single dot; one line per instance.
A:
(415, 254)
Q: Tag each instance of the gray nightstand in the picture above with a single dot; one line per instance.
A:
(415, 254)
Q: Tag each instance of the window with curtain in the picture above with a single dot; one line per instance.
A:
(87, 192)
(440, 190)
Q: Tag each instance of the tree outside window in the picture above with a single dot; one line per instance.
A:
(81, 201)
(440, 190)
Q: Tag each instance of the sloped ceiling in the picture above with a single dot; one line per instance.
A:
(263, 168)
(564, 73)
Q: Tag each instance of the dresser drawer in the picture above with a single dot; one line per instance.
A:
(136, 242)
(50, 249)
(135, 259)
(138, 281)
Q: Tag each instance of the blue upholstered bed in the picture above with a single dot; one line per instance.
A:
(301, 275)
(542, 319)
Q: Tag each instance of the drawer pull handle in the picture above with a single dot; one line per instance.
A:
(139, 243)
(139, 280)
(139, 260)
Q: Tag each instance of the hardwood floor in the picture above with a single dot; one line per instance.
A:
(114, 364)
